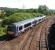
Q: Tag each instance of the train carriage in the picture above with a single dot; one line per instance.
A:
(16, 28)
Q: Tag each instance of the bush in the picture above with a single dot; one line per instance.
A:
(2, 31)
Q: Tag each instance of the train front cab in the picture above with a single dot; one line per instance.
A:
(14, 30)
(11, 30)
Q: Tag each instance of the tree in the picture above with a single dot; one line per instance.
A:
(2, 13)
(43, 9)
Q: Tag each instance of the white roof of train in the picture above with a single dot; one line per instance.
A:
(26, 21)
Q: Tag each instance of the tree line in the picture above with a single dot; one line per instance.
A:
(43, 9)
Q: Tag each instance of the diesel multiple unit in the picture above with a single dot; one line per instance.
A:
(16, 28)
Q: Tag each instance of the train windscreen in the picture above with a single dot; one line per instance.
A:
(11, 28)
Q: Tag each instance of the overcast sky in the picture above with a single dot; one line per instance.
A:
(27, 3)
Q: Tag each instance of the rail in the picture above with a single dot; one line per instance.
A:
(43, 45)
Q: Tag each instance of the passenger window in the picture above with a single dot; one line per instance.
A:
(26, 25)
(39, 19)
(20, 28)
(34, 22)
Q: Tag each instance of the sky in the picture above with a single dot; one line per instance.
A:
(26, 4)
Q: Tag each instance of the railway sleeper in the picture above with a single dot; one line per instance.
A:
(37, 45)
(43, 44)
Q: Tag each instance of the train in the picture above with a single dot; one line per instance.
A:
(15, 29)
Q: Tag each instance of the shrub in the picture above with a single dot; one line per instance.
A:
(2, 31)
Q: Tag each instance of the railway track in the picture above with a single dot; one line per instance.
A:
(43, 41)
(28, 43)
(32, 39)
(37, 39)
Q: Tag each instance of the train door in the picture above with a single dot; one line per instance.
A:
(34, 23)
(17, 31)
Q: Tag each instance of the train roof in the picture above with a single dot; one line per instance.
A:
(26, 21)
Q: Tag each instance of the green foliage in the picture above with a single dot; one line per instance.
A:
(43, 9)
(2, 31)
(2, 13)
(19, 17)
